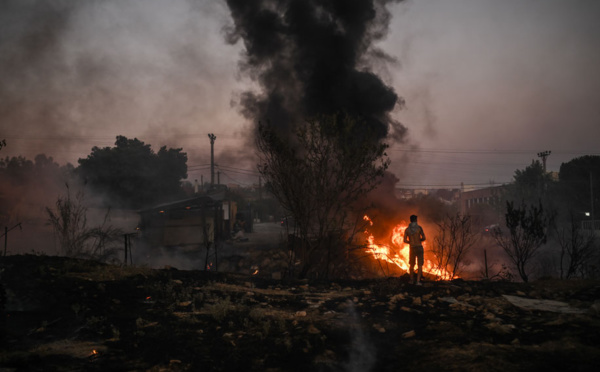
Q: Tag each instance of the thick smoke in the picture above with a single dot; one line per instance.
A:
(312, 57)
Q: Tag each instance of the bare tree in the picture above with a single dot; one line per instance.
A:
(76, 239)
(317, 175)
(527, 232)
(577, 248)
(454, 239)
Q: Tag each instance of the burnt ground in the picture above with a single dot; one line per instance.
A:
(62, 314)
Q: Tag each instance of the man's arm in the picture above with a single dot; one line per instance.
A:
(406, 241)
(422, 235)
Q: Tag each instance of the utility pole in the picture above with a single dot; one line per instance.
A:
(259, 188)
(6, 230)
(544, 155)
(592, 201)
(212, 138)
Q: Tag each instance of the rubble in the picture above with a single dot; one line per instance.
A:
(197, 320)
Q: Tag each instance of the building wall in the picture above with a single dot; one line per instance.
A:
(192, 231)
(488, 196)
(180, 228)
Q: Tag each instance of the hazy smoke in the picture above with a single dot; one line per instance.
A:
(312, 57)
(362, 352)
(79, 73)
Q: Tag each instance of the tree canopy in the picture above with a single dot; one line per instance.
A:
(18, 170)
(580, 183)
(531, 184)
(131, 174)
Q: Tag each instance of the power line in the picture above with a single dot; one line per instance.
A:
(235, 180)
(239, 170)
(491, 152)
(224, 136)
(455, 186)
(111, 138)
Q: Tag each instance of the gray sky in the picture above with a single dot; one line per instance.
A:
(488, 84)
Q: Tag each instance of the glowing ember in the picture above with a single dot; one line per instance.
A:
(398, 254)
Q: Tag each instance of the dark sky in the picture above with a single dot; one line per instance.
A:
(487, 84)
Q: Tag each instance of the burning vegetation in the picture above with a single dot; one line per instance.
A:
(396, 254)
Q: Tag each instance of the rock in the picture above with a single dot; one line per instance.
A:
(313, 330)
(300, 313)
(451, 300)
(394, 300)
(417, 301)
(543, 305)
(499, 328)
(489, 316)
(595, 308)
(379, 328)
(397, 297)
(409, 334)
(463, 306)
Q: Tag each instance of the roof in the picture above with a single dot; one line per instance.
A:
(197, 202)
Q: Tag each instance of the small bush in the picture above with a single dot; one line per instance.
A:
(220, 309)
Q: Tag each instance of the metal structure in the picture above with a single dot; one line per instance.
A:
(212, 138)
(544, 155)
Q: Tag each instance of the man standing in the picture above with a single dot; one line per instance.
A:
(414, 236)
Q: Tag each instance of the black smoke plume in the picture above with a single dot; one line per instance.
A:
(312, 57)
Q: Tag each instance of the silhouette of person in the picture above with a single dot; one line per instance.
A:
(414, 236)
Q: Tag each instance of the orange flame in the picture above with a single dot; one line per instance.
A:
(400, 256)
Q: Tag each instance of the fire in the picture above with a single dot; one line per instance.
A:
(400, 255)
(93, 355)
